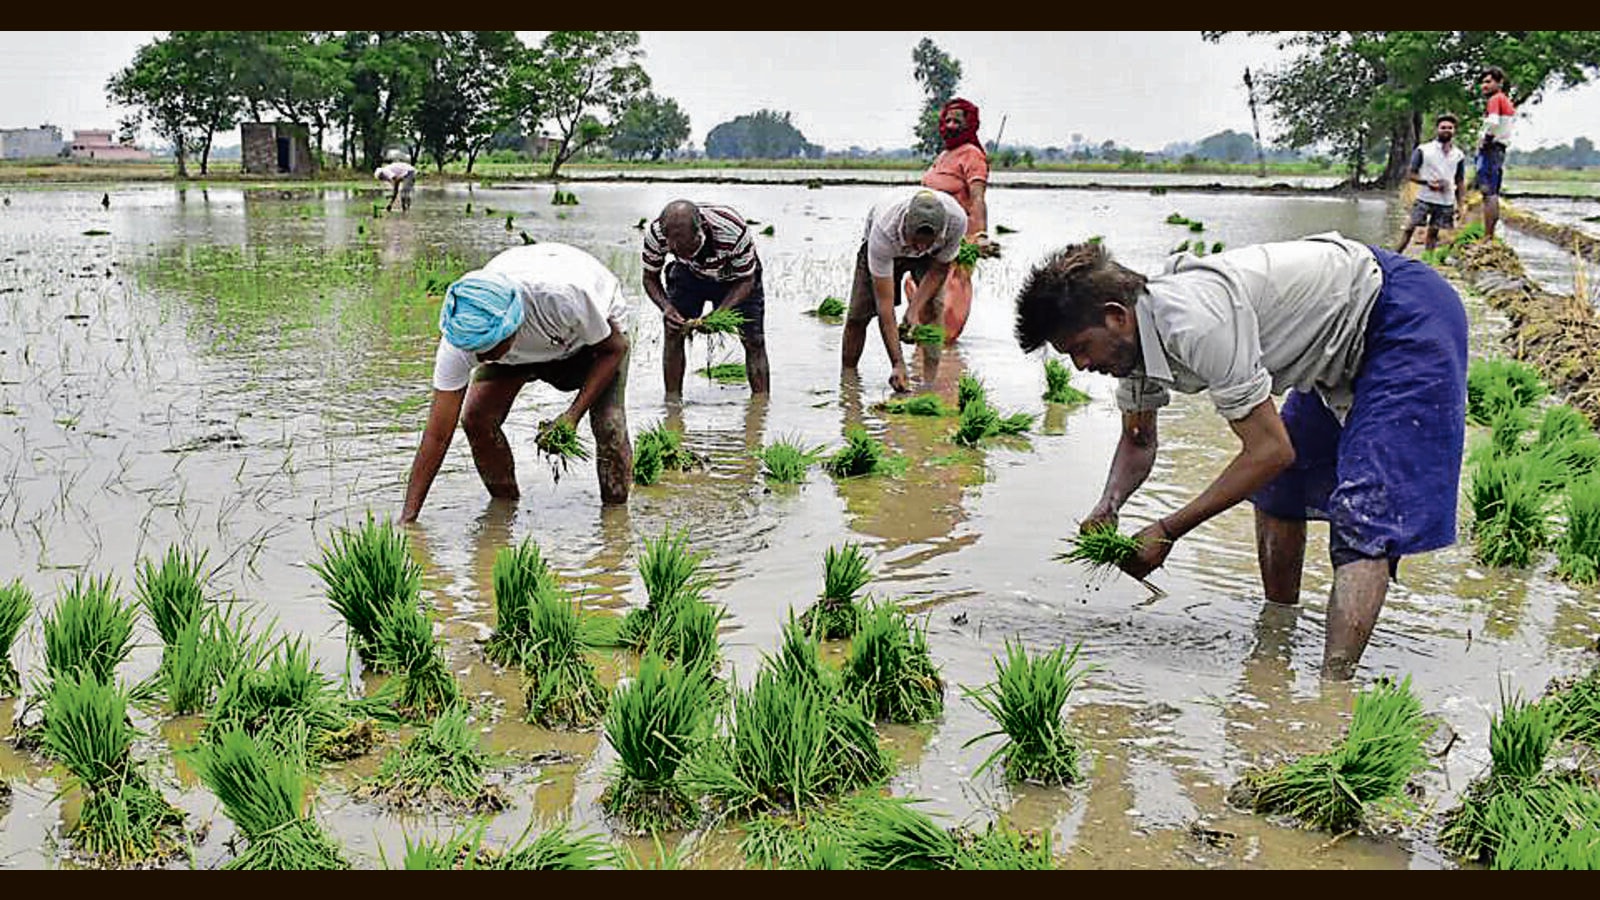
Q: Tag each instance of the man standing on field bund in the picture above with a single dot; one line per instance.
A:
(1372, 349)
(714, 262)
(1492, 151)
(1440, 167)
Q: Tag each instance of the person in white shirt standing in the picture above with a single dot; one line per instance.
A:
(403, 176)
(543, 312)
(1440, 168)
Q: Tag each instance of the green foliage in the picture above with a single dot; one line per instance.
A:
(763, 134)
(1519, 738)
(966, 258)
(1026, 701)
(406, 647)
(1577, 710)
(440, 766)
(937, 73)
(16, 603)
(978, 421)
(726, 373)
(1177, 219)
(928, 335)
(649, 127)
(1509, 505)
(173, 594)
(654, 723)
(890, 670)
(556, 850)
(560, 687)
(786, 460)
(519, 575)
(831, 308)
(582, 82)
(1578, 551)
(368, 571)
(558, 440)
(921, 405)
(862, 455)
(968, 390)
(837, 614)
(1497, 384)
(1101, 548)
(89, 630)
(676, 621)
(1058, 387)
(262, 795)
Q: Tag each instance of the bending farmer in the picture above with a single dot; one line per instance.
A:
(714, 262)
(912, 230)
(1372, 348)
(403, 176)
(545, 312)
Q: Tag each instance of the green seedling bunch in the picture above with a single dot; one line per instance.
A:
(1027, 701)
(368, 571)
(837, 614)
(889, 668)
(786, 460)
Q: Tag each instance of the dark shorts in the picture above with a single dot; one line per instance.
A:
(1387, 480)
(1491, 166)
(689, 293)
(562, 374)
(1433, 215)
(863, 305)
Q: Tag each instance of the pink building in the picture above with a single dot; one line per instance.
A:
(96, 144)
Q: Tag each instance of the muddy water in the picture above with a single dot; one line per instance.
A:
(250, 416)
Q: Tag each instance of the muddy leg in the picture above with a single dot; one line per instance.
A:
(1433, 237)
(1281, 549)
(674, 359)
(755, 364)
(1359, 588)
(855, 340)
(613, 451)
(1491, 215)
(932, 314)
(484, 412)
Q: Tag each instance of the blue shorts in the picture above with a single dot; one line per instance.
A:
(1491, 165)
(689, 293)
(1387, 480)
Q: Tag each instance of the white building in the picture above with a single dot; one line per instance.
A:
(30, 143)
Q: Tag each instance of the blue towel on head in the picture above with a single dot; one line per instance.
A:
(480, 309)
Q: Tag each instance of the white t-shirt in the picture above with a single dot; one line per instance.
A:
(567, 298)
(886, 237)
(396, 171)
(1442, 164)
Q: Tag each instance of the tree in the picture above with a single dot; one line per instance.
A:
(151, 85)
(582, 81)
(387, 75)
(939, 73)
(459, 107)
(764, 134)
(188, 85)
(650, 126)
(1227, 145)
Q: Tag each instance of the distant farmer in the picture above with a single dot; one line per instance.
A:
(1372, 348)
(1440, 168)
(403, 176)
(1492, 150)
(962, 171)
(914, 230)
(715, 262)
(544, 312)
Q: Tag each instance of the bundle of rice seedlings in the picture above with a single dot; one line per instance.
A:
(1495, 384)
(263, 794)
(1058, 389)
(173, 594)
(124, 819)
(837, 614)
(655, 722)
(668, 444)
(831, 307)
(647, 465)
(1101, 548)
(1014, 424)
(786, 460)
(862, 455)
(1561, 423)
(718, 321)
(1510, 510)
(16, 602)
(441, 766)
(559, 441)
(1520, 738)
(559, 685)
(920, 405)
(726, 373)
(1578, 551)
(89, 630)
(1577, 710)
(968, 389)
(367, 571)
(1540, 845)
(1379, 753)
(462, 851)
(1196, 226)
(1177, 219)
(676, 620)
(1570, 459)
(928, 335)
(1026, 701)
(978, 421)
(890, 670)
(1523, 824)
(1506, 427)
(966, 258)
(1217, 247)
(556, 850)
(769, 231)
(519, 575)
(406, 646)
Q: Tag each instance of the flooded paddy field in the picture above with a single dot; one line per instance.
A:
(244, 371)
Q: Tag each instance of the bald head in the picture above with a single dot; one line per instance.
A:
(680, 225)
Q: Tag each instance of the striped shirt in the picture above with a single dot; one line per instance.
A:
(728, 254)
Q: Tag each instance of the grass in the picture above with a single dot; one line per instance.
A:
(1578, 711)
(655, 722)
(1058, 387)
(1101, 548)
(718, 322)
(441, 766)
(16, 604)
(890, 670)
(786, 460)
(920, 405)
(676, 620)
(1561, 423)
(519, 575)
(831, 308)
(558, 440)
(863, 455)
(368, 571)
(928, 335)
(726, 373)
(1578, 552)
(559, 685)
(1026, 702)
(1379, 753)
(1495, 384)
(658, 449)
(89, 630)
(837, 614)
(124, 819)
(263, 795)
(406, 647)
(1509, 505)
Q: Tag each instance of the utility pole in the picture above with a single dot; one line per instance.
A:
(1255, 122)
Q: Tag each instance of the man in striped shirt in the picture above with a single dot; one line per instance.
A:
(714, 260)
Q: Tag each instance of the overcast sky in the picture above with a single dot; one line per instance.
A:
(1140, 89)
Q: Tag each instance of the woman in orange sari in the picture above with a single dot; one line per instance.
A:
(962, 171)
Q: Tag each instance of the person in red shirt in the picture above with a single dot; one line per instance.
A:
(962, 171)
(1492, 151)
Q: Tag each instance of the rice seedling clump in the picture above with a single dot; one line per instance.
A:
(89, 630)
(657, 450)
(519, 574)
(1496, 384)
(676, 621)
(890, 670)
(1379, 753)
(1579, 549)
(1509, 506)
(928, 335)
(558, 440)
(968, 390)
(831, 308)
(863, 455)
(966, 258)
(786, 460)
(920, 405)
(16, 603)
(1101, 548)
(837, 614)
(726, 373)
(655, 722)
(406, 646)
(1058, 387)
(172, 594)
(367, 571)
(1026, 701)
(441, 766)
(718, 321)
(560, 687)
(263, 795)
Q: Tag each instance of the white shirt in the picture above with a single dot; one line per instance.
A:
(567, 298)
(1253, 322)
(396, 171)
(1437, 162)
(886, 233)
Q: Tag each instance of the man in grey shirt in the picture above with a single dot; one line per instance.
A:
(1371, 348)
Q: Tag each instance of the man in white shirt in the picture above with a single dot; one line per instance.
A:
(1372, 348)
(403, 176)
(1440, 168)
(545, 312)
(915, 230)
